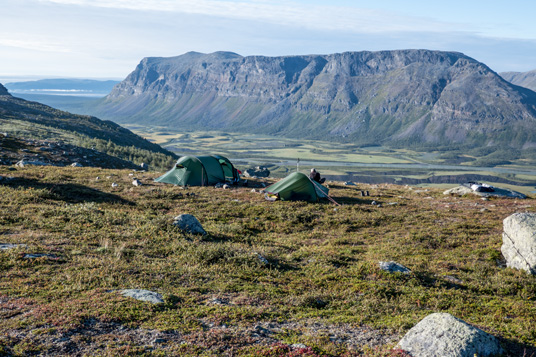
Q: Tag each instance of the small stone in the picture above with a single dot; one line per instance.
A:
(6, 246)
(298, 345)
(453, 279)
(189, 224)
(39, 255)
(143, 295)
(394, 267)
(262, 259)
(218, 301)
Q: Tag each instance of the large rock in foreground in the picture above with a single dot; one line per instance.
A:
(519, 241)
(442, 334)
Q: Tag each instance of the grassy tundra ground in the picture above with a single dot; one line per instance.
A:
(322, 286)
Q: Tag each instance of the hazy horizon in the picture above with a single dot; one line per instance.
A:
(106, 39)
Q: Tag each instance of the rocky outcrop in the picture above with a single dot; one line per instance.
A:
(497, 192)
(519, 241)
(441, 334)
(258, 171)
(395, 97)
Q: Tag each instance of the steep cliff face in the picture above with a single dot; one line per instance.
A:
(523, 79)
(407, 97)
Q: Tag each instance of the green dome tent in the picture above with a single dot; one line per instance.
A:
(200, 171)
(298, 187)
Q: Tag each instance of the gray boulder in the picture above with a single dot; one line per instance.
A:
(519, 241)
(441, 335)
(189, 224)
(143, 295)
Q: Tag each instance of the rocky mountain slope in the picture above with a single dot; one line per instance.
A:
(32, 120)
(416, 98)
(523, 79)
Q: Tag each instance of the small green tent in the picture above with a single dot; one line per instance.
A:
(200, 171)
(298, 187)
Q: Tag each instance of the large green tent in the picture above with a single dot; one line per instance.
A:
(200, 171)
(297, 187)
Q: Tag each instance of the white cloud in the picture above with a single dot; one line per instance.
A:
(320, 17)
(34, 45)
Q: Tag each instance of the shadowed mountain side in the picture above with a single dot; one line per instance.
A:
(20, 109)
(401, 98)
(29, 120)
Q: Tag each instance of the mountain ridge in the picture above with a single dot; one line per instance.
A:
(403, 97)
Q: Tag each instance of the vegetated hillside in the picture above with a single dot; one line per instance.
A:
(416, 98)
(34, 120)
(523, 79)
(266, 276)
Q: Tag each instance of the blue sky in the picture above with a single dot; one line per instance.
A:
(107, 38)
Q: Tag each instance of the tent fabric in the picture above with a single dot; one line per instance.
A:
(200, 171)
(298, 187)
(213, 169)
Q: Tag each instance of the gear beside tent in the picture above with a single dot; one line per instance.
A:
(296, 187)
(200, 171)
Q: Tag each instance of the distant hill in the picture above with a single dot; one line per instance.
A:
(26, 119)
(523, 79)
(408, 98)
(63, 86)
